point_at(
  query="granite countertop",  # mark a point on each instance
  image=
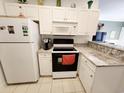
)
(45, 51)
(96, 57)
(109, 45)
(99, 58)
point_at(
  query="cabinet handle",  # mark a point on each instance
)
(65, 18)
(91, 76)
(74, 26)
(20, 7)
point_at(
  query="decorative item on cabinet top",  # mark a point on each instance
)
(90, 2)
(58, 3)
(22, 1)
(40, 2)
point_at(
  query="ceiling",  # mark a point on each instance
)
(112, 10)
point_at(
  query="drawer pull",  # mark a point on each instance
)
(91, 76)
(20, 7)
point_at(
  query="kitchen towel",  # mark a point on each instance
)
(68, 59)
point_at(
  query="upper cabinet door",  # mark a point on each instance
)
(32, 12)
(71, 15)
(93, 19)
(82, 22)
(2, 11)
(59, 14)
(14, 9)
(64, 14)
(45, 18)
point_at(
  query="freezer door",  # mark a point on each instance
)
(15, 30)
(19, 62)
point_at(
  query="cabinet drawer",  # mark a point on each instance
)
(42, 55)
(86, 61)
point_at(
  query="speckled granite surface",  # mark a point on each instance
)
(96, 55)
(108, 49)
(98, 58)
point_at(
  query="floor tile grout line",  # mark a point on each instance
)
(62, 86)
(39, 88)
(14, 89)
(27, 88)
(51, 86)
(51, 81)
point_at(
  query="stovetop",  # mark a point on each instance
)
(64, 49)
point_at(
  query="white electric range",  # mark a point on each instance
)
(64, 58)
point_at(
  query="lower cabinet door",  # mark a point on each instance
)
(45, 66)
(86, 76)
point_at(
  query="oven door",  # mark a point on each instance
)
(57, 65)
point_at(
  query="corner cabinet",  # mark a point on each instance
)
(82, 22)
(100, 79)
(45, 19)
(93, 20)
(15, 9)
(87, 22)
(45, 64)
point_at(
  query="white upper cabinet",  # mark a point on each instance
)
(59, 14)
(64, 15)
(2, 11)
(87, 22)
(57, 20)
(82, 22)
(13, 9)
(45, 19)
(93, 19)
(30, 11)
(71, 15)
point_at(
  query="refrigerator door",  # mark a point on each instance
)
(19, 62)
(15, 30)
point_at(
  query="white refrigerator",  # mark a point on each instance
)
(19, 43)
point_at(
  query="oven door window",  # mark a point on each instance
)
(57, 59)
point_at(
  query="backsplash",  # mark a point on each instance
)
(77, 39)
(114, 52)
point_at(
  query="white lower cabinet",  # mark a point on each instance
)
(45, 64)
(101, 79)
(86, 75)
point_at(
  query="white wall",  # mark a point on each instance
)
(112, 10)
(110, 26)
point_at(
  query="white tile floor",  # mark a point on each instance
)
(47, 85)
